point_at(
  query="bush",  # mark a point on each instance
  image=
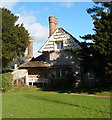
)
(64, 82)
(6, 81)
(56, 82)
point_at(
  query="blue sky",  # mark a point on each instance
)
(72, 16)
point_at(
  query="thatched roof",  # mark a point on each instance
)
(34, 64)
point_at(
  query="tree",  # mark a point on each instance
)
(101, 52)
(14, 37)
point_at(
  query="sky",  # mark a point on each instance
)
(72, 16)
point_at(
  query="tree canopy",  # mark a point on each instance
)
(102, 20)
(98, 54)
(14, 37)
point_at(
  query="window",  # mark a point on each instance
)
(61, 72)
(64, 72)
(57, 73)
(90, 75)
(59, 45)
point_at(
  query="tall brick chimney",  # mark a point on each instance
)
(52, 24)
(30, 47)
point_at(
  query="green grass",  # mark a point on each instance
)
(33, 103)
(25, 89)
(102, 91)
(30, 89)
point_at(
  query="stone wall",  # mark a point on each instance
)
(20, 77)
(65, 60)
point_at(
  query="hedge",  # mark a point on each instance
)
(6, 81)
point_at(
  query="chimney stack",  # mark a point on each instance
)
(52, 24)
(30, 47)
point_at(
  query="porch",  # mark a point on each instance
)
(33, 81)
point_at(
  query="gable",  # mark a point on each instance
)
(60, 39)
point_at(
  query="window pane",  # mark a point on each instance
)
(61, 45)
(58, 45)
(57, 73)
(90, 75)
(63, 72)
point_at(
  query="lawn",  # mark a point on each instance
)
(21, 103)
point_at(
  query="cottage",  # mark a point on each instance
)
(56, 56)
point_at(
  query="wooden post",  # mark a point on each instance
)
(32, 83)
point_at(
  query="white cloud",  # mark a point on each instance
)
(35, 29)
(23, 11)
(26, 19)
(7, 4)
(38, 31)
(67, 4)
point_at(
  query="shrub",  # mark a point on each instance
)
(6, 81)
(56, 82)
(66, 81)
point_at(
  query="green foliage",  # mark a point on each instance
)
(101, 50)
(6, 81)
(64, 82)
(86, 56)
(102, 20)
(14, 37)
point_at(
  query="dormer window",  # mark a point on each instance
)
(59, 45)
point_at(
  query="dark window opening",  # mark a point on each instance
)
(30, 83)
(59, 45)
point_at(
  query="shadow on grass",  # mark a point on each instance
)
(44, 98)
(78, 90)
